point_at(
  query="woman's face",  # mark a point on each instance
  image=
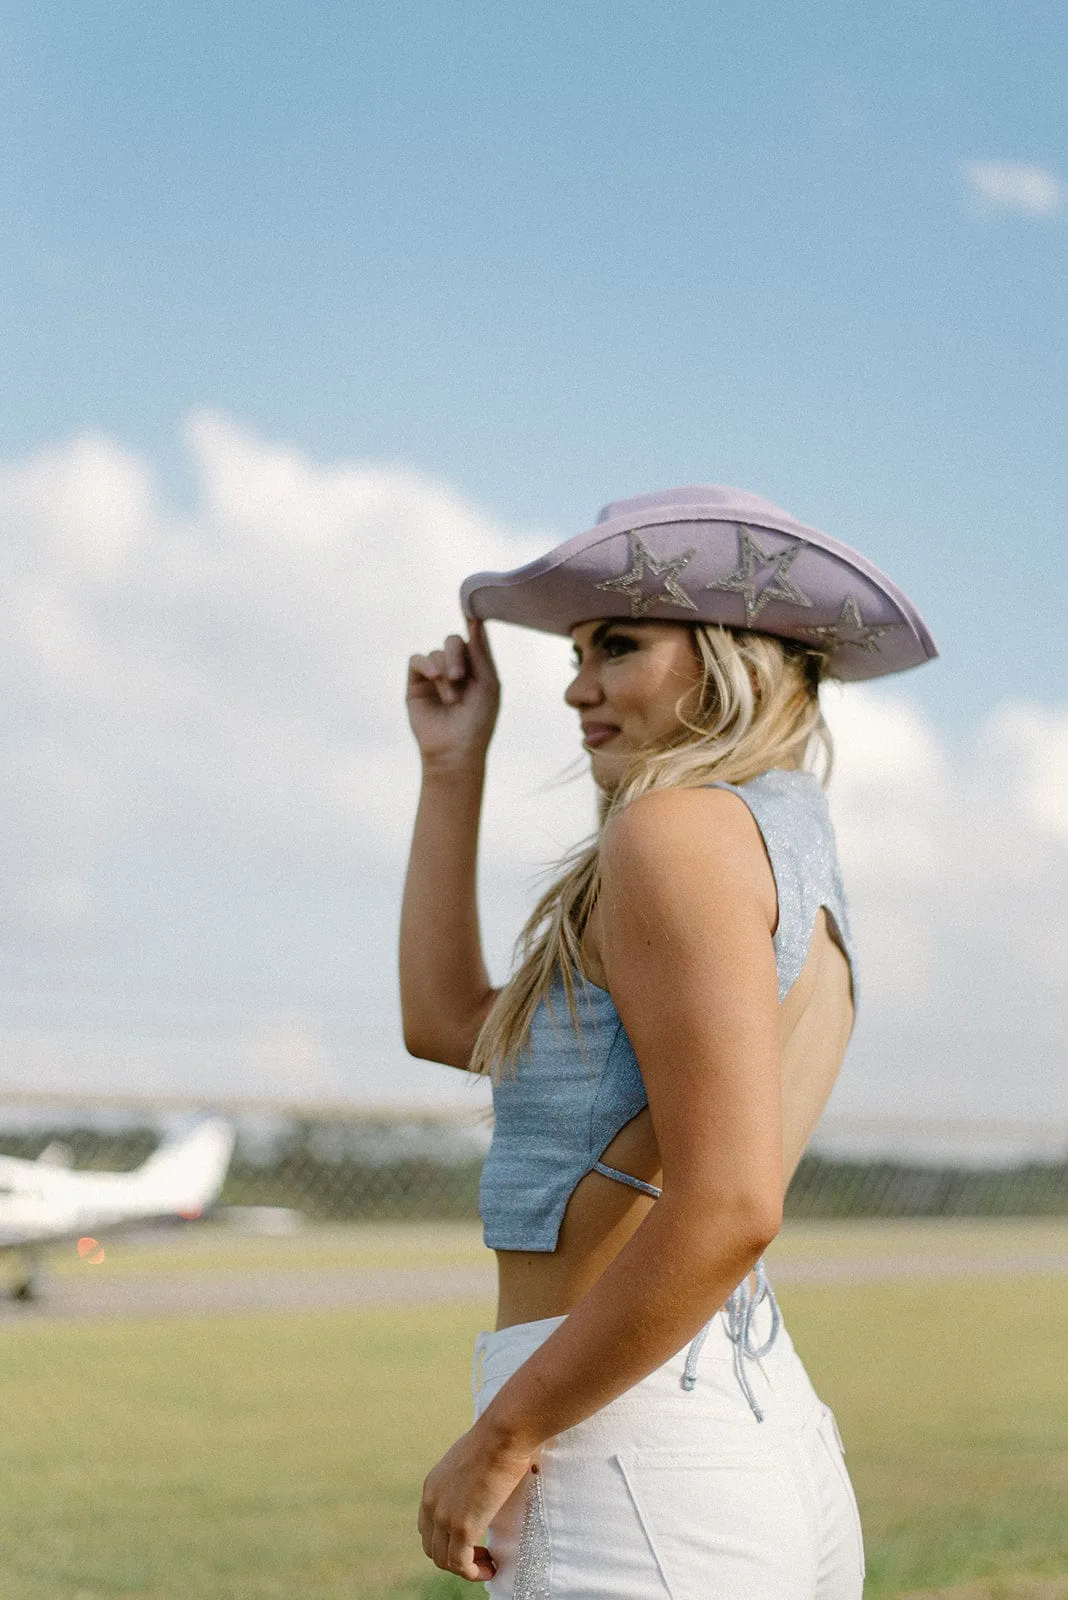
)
(629, 679)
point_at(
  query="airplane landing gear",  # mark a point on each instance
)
(25, 1287)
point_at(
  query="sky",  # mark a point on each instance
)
(303, 316)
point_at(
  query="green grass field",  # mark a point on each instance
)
(212, 1248)
(261, 1456)
(216, 1249)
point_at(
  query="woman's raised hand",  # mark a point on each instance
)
(453, 696)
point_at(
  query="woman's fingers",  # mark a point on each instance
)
(487, 1567)
(451, 667)
(457, 1552)
(453, 1549)
(426, 1522)
(439, 1548)
(420, 669)
(457, 665)
(479, 646)
(461, 1559)
(453, 1553)
(434, 670)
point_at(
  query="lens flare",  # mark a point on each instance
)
(91, 1250)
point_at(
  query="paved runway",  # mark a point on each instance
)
(66, 1298)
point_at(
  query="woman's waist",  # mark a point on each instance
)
(532, 1302)
(781, 1386)
(533, 1285)
(597, 1221)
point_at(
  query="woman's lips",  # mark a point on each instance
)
(594, 734)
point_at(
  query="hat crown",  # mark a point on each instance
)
(712, 499)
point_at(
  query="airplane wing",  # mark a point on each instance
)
(41, 1201)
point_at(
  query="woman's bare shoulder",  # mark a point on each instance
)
(672, 837)
(712, 822)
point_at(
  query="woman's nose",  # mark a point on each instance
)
(583, 690)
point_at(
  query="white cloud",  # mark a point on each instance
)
(890, 771)
(1015, 186)
(208, 786)
(1033, 741)
(52, 805)
(86, 502)
(957, 866)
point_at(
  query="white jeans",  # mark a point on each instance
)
(668, 1495)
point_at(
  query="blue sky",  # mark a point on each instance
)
(556, 254)
(536, 257)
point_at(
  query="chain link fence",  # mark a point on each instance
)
(343, 1164)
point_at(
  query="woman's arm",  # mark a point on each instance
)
(445, 990)
(687, 912)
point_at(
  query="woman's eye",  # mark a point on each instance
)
(617, 644)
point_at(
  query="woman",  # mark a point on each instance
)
(660, 1059)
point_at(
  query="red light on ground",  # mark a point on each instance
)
(91, 1250)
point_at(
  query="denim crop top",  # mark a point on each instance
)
(570, 1097)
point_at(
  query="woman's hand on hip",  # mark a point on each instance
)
(453, 696)
(461, 1497)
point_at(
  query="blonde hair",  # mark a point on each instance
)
(757, 706)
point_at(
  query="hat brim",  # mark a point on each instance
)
(736, 566)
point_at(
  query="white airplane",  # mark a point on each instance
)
(44, 1202)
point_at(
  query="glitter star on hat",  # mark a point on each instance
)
(757, 591)
(850, 629)
(630, 582)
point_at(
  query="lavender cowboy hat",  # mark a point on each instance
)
(710, 554)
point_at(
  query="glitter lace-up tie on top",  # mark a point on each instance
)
(572, 1094)
(739, 1311)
